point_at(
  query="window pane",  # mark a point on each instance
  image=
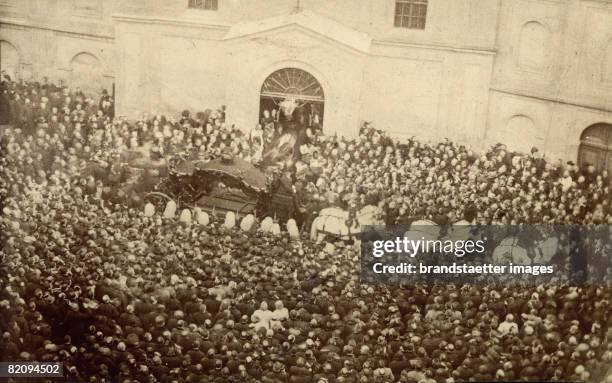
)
(204, 4)
(421, 10)
(399, 9)
(413, 22)
(410, 13)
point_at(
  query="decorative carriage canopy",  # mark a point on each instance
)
(236, 173)
(221, 185)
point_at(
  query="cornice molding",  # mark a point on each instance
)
(179, 22)
(556, 100)
(488, 51)
(23, 24)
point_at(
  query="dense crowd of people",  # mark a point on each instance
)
(118, 296)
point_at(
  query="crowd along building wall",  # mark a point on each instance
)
(69, 41)
(430, 83)
(552, 75)
(523, 72)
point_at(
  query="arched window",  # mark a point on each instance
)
(298, 85)
(9, 59)
(293, 82)
(534, 52)
(596, 147)
(86, 73)
(521, 132)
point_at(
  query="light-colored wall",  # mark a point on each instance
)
(424, 72)
(338, 67)
(50, 34)
(467, 23)
(163, 67)
(427, 93)
(552, 73)
(524, 72)
(554, 128)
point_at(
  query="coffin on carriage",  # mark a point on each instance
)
(220, 185)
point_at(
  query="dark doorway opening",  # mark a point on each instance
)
(596, 147)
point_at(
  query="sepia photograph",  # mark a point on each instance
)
(305, 191)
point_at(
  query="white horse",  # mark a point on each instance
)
(423, 229)
(335, 221)
(510, 249)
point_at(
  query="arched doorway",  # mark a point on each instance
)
(299, 85)
(9, 59)
(86, 73)
(596, 147)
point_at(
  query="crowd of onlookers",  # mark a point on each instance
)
(89, 280)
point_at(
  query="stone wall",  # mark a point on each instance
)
(523, 72)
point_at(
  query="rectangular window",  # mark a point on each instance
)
(209, 5)
(410, 14)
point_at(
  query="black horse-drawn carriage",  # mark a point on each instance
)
(225, 184)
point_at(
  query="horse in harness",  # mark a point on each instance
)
(521, 245)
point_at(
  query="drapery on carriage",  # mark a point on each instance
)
(221, 185)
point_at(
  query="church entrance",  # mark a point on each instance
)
(299, 87)
(596, 147)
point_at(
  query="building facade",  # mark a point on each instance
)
(522, 72)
